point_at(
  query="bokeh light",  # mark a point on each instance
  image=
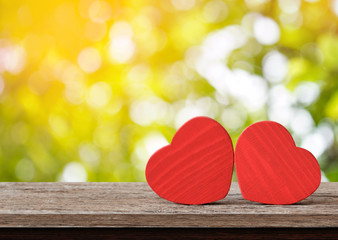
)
(89, 89)
(89, 60)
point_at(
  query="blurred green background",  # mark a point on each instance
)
(90, 89)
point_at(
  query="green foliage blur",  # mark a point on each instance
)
(90, 89)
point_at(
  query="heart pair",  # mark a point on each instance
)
(197, 167)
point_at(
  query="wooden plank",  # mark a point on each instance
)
(135, 205)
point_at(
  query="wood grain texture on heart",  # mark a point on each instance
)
(271, 169)
(196, 168)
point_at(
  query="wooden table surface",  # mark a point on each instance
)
(135, 205)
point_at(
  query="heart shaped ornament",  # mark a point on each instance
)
(196, 168)
(271, 169)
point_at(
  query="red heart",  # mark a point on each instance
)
(271, 169)
(196, 168)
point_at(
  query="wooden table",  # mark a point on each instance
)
(129, 210)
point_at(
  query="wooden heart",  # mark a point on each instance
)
(271, 169)
(196, 168)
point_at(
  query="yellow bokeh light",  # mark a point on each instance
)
(100, 11)
(89, 60)
(99, 94)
